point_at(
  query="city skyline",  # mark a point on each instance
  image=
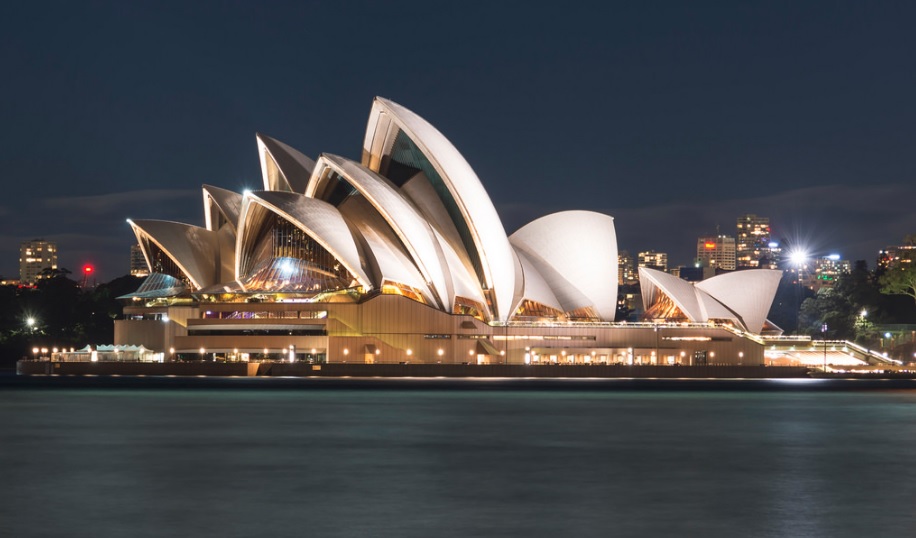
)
(800, 113)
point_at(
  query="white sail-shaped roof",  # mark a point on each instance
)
(682, 293)
(465, 194)
(227, 204)
(384, 257)
(413, 214)
(744, 297)
(282, 167)
(535, 287)
(193, 249)
(407, 223)
(320, 220)
(576, 253)
(749, 293)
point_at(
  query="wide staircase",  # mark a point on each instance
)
(802, 351)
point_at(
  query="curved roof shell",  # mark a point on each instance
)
(283, 168)
(744, 297)
(576, 254)
(748, 293)
(384, 257)
(477, 214)
(682, 293)
(221, 203)
(320, 220)
(192, 248)
(414, 214)
(407, 223)
(534, 286)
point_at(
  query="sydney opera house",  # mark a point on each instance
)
(402, 257)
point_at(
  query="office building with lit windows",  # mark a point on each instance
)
(398, 257)
(653, 260)
(36, 258)
(138, 262)
(825, 271)
(626, 269)
(895, 255)
(717, 251)
(752, 243)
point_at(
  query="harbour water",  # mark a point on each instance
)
(488, 461)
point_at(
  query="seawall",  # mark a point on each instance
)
(276, 369)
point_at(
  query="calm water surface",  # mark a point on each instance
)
(252, 462)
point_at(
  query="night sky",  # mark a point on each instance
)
(671, 117)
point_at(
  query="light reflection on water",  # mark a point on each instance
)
(235, 462)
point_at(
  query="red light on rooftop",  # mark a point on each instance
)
(87, 269)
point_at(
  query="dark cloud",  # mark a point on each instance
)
(118, 203)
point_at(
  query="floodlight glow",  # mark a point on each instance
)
(833, 257)
(773, 244)
(798, 257)
(286, 268)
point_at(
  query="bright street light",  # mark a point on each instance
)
(798, 257)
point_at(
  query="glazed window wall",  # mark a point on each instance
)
(286, 259)
(161, 263)
(666, 309)
(583, 314)
(533, 310)
(468, 307)
(305, 314)
(192, 331)
(390, 287)
(336, 189)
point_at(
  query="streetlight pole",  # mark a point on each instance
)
(824, 333)
(657, 358)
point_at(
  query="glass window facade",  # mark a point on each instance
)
(285, 258)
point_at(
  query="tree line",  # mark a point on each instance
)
(57, 312)
(858, 304)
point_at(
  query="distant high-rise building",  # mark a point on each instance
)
(825, 272)
(716, 251)
(753, 246)
(36, 256)
(626, 269)
(653, 260)
(138, 265)
(894, 255)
